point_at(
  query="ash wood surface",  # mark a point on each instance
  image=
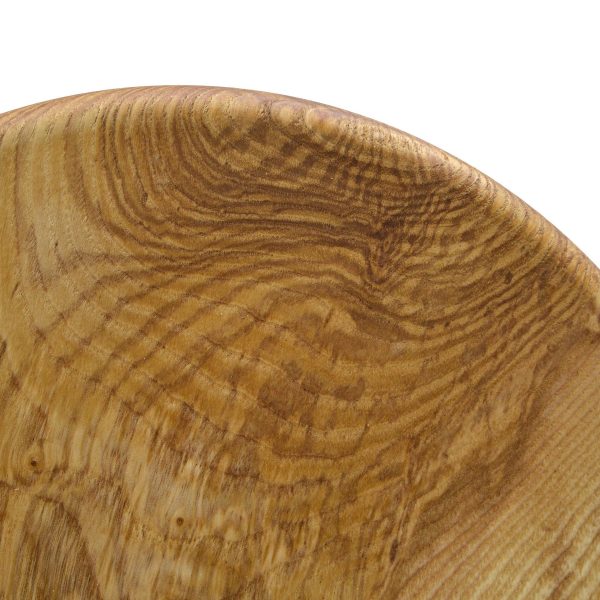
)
(256, 347)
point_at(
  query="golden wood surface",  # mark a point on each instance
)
(257, 347)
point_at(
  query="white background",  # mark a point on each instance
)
(511, 87)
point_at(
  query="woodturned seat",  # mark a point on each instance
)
(257, 347)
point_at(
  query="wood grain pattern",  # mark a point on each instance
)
(256, 347)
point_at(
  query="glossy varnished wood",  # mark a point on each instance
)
(256, 347)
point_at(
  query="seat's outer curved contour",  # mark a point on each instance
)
(258, 347)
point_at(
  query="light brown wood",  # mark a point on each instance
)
(256, 347)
